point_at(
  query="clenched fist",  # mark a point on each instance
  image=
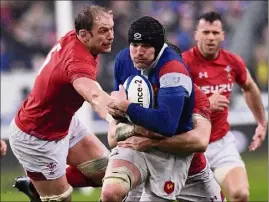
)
(218, 102)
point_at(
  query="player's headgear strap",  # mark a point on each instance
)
(147, 30)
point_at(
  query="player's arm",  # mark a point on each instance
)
(111, 138)
(81, 75)
(195, 140)
(113, 125)
(93, 93)
(175, 88)
(253, 98)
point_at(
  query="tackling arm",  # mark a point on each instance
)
(195, 140)
(93, 93)
(111, 134)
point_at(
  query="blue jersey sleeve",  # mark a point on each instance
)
(175, 88)
(165, 118)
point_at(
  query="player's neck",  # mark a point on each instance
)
(208, 56)
(86, 46)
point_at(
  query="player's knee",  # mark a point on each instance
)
(240, 194)
(95, 169)
(117, 183)
(113, 192)
(64, 197)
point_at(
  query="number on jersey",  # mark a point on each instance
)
(57, 47)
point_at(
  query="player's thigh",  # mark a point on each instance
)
(201, 187)
(169, 183)
(128, 162)
(224, 157)
(223, 153)
(88, 148)
(44, 161)
(56, 187)
(84, 146)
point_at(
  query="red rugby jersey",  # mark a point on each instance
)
(47, 111)
(212, 75)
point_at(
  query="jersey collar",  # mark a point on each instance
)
(218, 60)
(154, 63)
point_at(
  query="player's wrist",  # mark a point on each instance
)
(124, 104)
(263, 124)
(155, 143)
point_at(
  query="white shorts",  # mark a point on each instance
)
(199, 187)
(47, 158)
(164, 174)
(223, 152)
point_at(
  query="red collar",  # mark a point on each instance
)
(218, 60)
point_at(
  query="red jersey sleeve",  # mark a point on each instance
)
(79, 69)
(201, 104)
(241, 71)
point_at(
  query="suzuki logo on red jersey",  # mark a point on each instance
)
(211, 89)
(203, 74)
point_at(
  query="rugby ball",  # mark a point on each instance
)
(139, 91)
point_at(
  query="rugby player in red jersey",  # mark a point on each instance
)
(44, 135)
(215, 70)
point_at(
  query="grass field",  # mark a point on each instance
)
(257, 167)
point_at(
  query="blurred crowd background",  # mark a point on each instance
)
(28, 31)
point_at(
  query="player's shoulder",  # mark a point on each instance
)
(74, 49)
(231, 57)
(123, 54)
(123, 62)
(188, 53)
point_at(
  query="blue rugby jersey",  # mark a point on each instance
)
(173, 89)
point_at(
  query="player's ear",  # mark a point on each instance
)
(82, 33)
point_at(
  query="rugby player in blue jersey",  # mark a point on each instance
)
(150, 56)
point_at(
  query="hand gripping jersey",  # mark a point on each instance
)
(172, 86)
(213, 75)
(48, 110)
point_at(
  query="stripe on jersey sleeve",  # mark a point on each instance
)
(176, 79)
(175, 74)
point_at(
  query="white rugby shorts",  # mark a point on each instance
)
(164, 174)
(199, 187)
(223, 153)
(47, 158)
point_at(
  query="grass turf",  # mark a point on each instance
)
(257, 167)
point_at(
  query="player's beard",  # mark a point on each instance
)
(211, 51)
(141, 65)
